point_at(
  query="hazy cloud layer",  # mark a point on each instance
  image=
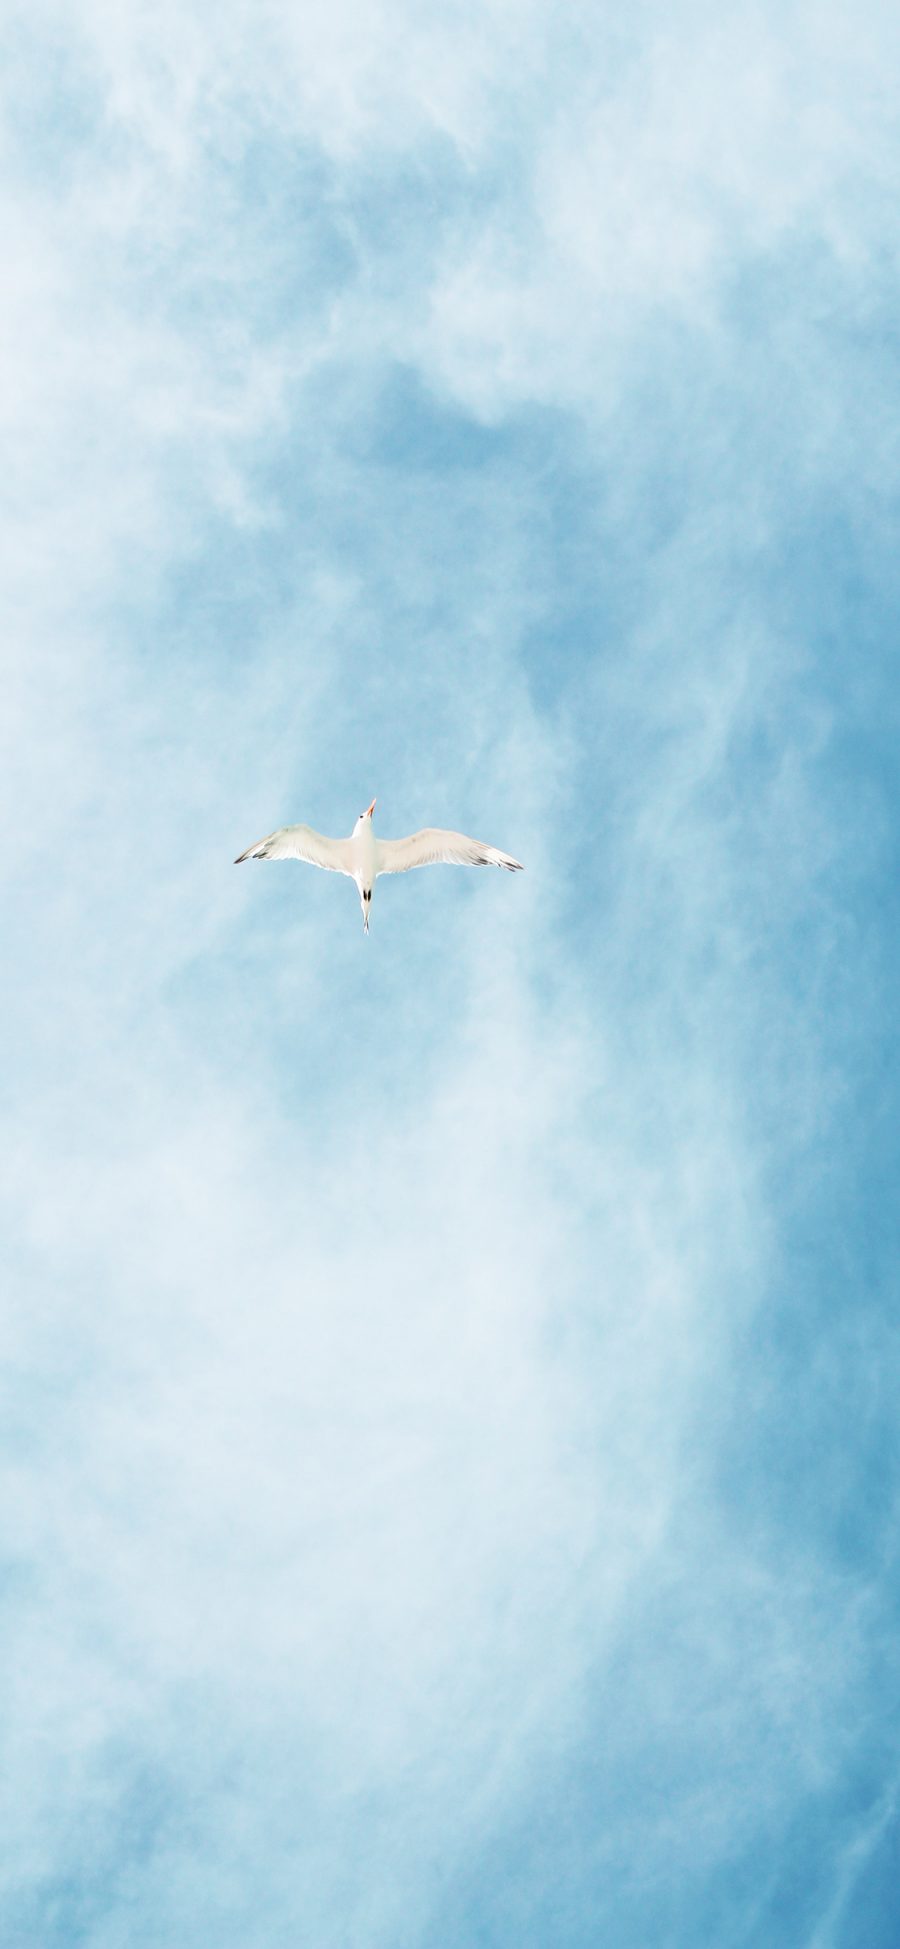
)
(450, 1461)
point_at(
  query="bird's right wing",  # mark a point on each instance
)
(433, 847)
(300, 842)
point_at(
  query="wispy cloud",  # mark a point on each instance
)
(449, 1373)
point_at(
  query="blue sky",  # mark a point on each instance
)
(449, 1437)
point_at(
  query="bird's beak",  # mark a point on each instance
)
(371, 808)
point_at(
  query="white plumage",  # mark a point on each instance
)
(362, 857)
(300, 842)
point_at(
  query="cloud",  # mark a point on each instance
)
(422, 1370)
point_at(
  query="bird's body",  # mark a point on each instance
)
(362, 857)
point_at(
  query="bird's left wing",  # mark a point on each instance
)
(433, 847)
(300, 842)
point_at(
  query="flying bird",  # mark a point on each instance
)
(362, 857)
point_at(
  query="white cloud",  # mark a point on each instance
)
(376, 1303)
(657, 180)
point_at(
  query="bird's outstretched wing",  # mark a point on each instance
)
(300, 842)
(432, 847)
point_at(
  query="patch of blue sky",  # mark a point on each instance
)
(55, 103)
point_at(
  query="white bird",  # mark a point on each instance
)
(362, 857)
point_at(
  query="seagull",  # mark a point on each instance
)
(362, 857)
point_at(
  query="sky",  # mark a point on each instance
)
(450, 1461)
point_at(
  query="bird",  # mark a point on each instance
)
(362, 857)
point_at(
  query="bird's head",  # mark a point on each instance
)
(365, 815)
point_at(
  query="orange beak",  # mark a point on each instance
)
(371, 808)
